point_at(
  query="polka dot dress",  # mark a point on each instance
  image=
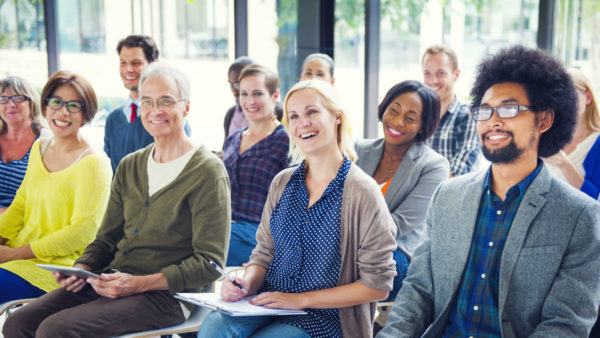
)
(307, 248)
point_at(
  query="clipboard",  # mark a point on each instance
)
(241, 308)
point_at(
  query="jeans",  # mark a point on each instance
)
(217, 325)
(242, 242)
(401, 269)
(13, 287)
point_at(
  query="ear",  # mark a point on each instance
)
(332, 80)
(588, 97)
(456, 74)
(187, 108)
(338, 119)
(275, 95)
(546, 119)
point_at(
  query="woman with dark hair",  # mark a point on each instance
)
(406, 169)
(20, 125)
(252, 157)
(579, 161)
(58, 208)
(318, 65)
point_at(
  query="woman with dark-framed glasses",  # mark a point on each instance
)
(21, 123)
(58, 207)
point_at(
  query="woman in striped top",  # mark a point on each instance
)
(20, 125)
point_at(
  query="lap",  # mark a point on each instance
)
(217, 325)
(70, 314)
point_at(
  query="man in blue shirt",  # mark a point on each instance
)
(512, 251)
(124, 132)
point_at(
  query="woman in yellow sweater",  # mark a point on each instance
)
(58, 208)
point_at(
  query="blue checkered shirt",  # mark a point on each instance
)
(456, 139)
(476, 310)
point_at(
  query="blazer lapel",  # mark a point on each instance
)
(370, 160)
(403, 175)
(466, 226)
(530, 206)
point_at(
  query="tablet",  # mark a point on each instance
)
(68, 271)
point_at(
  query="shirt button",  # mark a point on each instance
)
(499, 212)
(483, 275)
(491, 243)
(475, 307)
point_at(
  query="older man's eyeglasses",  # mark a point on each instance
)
(15, 99)
(162, 103)
(504, 111)
(73, 106)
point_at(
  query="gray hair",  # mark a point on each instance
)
(158, 69)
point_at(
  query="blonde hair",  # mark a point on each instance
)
(591, 115)
(332, 104)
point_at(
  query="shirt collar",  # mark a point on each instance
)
(454, 106)
(519, 188)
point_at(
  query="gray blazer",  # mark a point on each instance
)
(408, 195)
(549, 273)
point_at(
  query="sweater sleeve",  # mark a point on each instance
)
(210, 207)
(92, 181)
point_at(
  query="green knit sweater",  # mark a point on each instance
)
(177, 230)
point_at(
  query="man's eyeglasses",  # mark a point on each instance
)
(504, 111)
(162, 103)
(72, 106)
(15, 99)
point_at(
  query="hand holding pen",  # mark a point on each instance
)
(228, 277)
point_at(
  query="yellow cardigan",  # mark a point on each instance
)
(57, 213)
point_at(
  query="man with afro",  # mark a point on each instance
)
(513, 252)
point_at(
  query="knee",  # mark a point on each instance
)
(55, 326)
(212, 326)
(17, 325)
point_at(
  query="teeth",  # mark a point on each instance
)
(307, 135)
(62, 123)
(497, 137)
(156, 122)
(252, 110)
(394, 131)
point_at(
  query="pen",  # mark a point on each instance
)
(226, 275)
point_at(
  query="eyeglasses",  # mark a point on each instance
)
(234, 85)
(162, 103)
(15, 99)
(72, 106)
(504, 111)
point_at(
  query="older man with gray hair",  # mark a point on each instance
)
(167, 217)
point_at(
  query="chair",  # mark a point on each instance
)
(195, 318)
(6, 307)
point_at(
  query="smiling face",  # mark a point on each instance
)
(402, 119)
(163, 121)
(312, 126)
(256, 101)
(508, 140)
(14, 113)
(439, 75)
(132, 62)
(62, 122)
(317, 68)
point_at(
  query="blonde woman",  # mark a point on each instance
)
(578, 162)
(326, 237)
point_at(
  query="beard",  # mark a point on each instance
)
(506, 154)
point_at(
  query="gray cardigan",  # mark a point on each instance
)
(407, 197)
(367, 242)
(549, 282)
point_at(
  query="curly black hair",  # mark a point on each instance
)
(430, 117)
(548, 86)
